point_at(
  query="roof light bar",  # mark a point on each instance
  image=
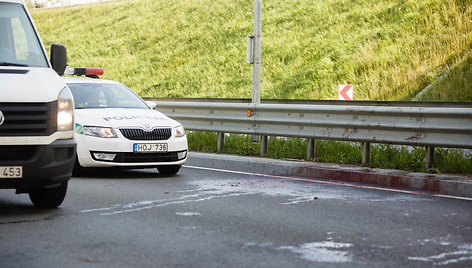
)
(89, 72)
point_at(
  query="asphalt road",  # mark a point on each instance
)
(211, 218)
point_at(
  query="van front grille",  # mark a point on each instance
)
(28, 119)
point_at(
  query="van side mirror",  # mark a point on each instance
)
(59, 58)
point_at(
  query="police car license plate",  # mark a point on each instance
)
(150, 147)
(11, 172)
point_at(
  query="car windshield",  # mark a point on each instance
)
(103, 95)
(19, 44)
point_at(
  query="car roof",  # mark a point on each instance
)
(78, 80)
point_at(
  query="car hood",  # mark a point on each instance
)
(123, 118)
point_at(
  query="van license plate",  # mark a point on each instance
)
(150, 147)
(11, 172)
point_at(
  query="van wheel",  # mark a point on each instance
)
(78, 170)
(169, 170)
(49, 197)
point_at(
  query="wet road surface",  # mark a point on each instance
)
(212, 218)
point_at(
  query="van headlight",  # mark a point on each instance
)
(179, 131)
(65, 110)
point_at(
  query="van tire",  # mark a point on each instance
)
(49, 197)
(78, 170)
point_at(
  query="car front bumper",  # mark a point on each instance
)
(118, 152)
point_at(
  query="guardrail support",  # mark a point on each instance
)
(264, 144)
(220, 141)
(366, 158)
(311, 149)
(429, 158)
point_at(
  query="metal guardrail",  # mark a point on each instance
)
(427, 125)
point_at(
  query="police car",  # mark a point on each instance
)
(116, 128)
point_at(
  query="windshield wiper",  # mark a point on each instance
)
(13, 64)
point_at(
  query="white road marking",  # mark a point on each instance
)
(212, 189)
(446, 258)
(324, 251)
(334, 183)
(149, 204)
(188, 214)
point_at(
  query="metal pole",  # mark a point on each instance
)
(366, 157)
(256, 68)
(429, 159)
(256, 64)
(264, 144)
(221, 141)
(311, 149)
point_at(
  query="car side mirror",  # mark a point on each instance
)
(59, 58)
(151, 104)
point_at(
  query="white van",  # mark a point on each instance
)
(37, 146)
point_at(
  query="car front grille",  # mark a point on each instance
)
(140, 134)
(28, 119)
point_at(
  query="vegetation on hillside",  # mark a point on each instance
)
(454, 85)
(388, 49)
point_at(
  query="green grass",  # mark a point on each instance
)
(388, 49)
(383, 155)
(455, 85)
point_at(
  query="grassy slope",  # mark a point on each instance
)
(389, 50)
(454, 85)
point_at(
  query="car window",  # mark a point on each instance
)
(93, 95)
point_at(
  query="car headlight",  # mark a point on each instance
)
(179, 131)
(65, 110)
(101, 132)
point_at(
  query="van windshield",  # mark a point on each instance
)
(19, 44)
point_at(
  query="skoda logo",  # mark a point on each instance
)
(147, 128)
(2, 118)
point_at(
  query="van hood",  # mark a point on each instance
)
(29, 84)
(123, 118)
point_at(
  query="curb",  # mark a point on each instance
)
(439, 183)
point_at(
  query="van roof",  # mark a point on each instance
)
(14, 1)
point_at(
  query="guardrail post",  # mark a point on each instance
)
(220, 141)
(429, 158)
(264, 144)
(366, 158)
(311, 149)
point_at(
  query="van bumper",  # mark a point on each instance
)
(43, 165)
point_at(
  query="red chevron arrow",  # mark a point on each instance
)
(344, 91)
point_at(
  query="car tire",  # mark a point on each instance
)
(49, 197)
(169, 170)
